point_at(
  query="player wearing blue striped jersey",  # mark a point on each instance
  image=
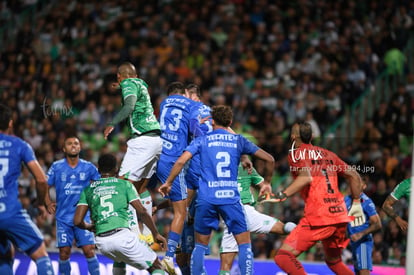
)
(361, 235)
(192, 177)
(218, 193)
(15, 224)
(179, 122)
(70, 176)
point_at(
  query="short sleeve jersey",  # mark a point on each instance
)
(69, 183)
(108, 200)
(324, 203)
(220, 153)
(13, 152)
(176, 112)
(142, 119)
(403, 189)
(245, 181)
(369, 210)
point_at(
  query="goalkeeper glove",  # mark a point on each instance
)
(358, 213)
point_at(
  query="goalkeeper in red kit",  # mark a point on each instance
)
(315, 171)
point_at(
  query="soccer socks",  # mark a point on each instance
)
(44, 266)
(119, 268)
(173, 239)
(93, 265)
(224, 272)
(158, 272)
(64, 267)
(288, 263)
(146, 201)
(197, 259)
(339, 268)
(6, 267)
(246, 258)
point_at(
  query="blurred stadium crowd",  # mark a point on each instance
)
(274, 62)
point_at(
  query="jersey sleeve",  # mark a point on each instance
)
(248, 147)
(82, 199)
(94, 173)
(27, 153)
(340, 165)
(131, 192)
(128, 89)
(194, 146)
(51, 175)
(401, 190)
(255, 177)
(370, 207)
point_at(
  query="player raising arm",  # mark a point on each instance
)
(218, 193)
(402, 190)
(315, 171)
(15, 224)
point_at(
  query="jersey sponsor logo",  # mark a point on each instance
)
(221, 194)
(5, 143)
(304, 154)
(167, 144)
(336, 209)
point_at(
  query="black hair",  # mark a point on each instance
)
(305, 132)
(176, 88)
(5, 117)
(107, 163)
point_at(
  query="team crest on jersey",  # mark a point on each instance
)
(82, 176)
(63, 177)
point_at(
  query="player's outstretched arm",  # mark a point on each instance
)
(41, 186)
(79, 218)
(388, 207)
(270, 163)
(148, 221)
(179, 164)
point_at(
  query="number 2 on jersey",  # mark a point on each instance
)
(222, 166)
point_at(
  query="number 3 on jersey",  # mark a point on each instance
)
(175, 114)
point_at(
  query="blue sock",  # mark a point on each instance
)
(6, 267)
(93, 265)
(173, 239)
(64, 267)
(44, 266)
(197, 259)
(246, 259)
(185, 270)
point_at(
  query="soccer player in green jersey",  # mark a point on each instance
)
(145, 144)
(108, 199)
(256, 221)
(403, 189)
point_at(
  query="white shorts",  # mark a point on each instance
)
(125, 246)
(141, 157)
(256, 223)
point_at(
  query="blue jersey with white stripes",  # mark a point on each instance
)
(220, 153)
(69, 183)
(13, 152)
(178, 114)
